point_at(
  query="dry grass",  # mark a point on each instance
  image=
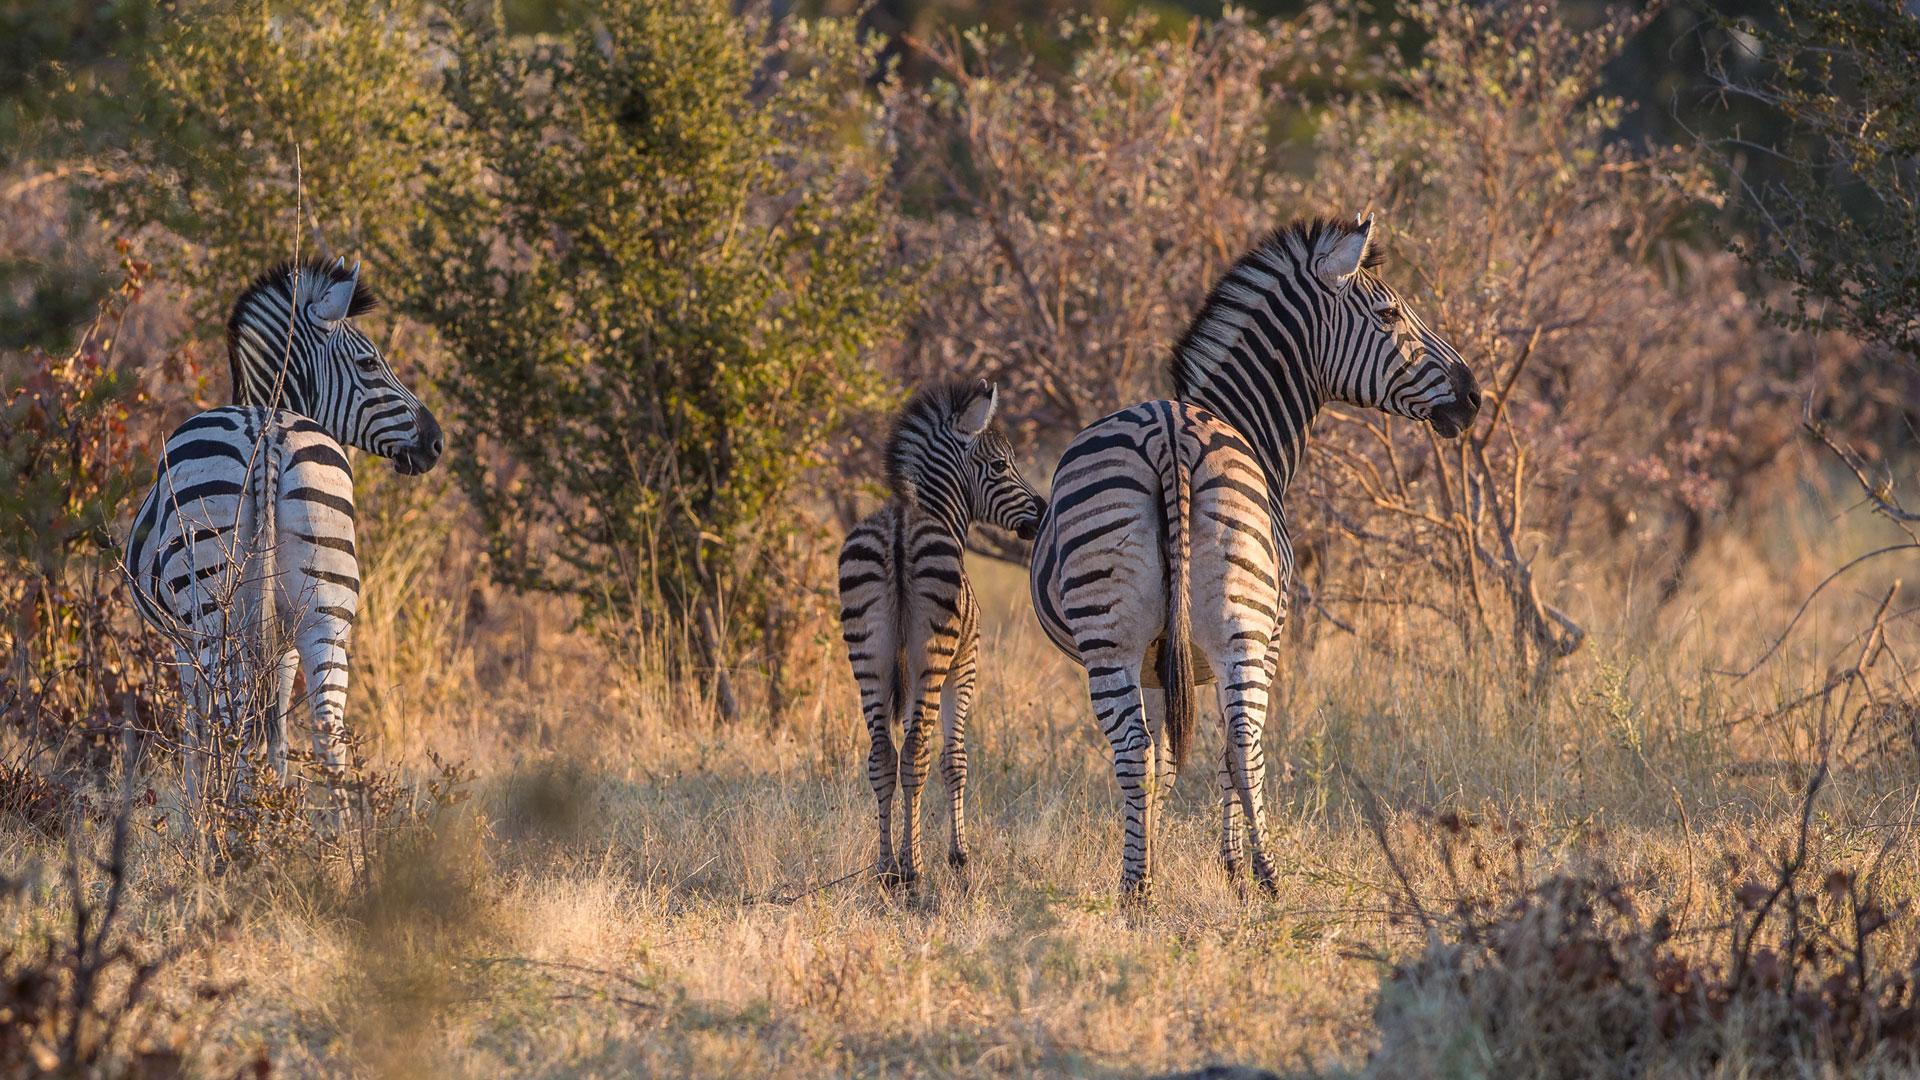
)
(617, 897)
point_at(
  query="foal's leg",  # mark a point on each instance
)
(956, 705)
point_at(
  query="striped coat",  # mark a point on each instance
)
(908, 614)
(243, 551)
(1199, 597)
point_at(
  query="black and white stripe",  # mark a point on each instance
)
(907, 611)
(243, 551)
(1199, 593)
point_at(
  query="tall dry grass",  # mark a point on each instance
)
(637, 889)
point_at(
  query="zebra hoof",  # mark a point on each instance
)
(890, 875)
(1136, 894)
(1268, 887)
(957, 859)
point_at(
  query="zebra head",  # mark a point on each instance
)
(1372, 350)
(946, 454)
(292, 345)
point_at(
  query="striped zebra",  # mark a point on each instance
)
(907, 612)
(243, 552)
(1163, 561)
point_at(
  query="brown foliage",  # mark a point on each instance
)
(1566, 976)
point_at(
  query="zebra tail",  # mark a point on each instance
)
(1176, 653)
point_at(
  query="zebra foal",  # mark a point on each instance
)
(243, 551)
(907, 612)
(1199, 593)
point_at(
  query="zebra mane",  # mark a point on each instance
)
(314, 275)
(1224, 316)
(931, 408)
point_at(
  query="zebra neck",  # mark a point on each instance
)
(260, 383)
(947, 507)
(1272, 407)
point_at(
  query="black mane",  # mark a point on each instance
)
(1303, 234)
(280, 279)
(931, 407)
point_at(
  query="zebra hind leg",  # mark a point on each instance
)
(323, 659)
(1115, 694)
(883, 775)
(1246, 764)
(916, 762)
(956, 704)
(1230, 855)
(288, 665)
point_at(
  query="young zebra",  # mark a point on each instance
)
(243, 551)
(1300, 320)
(907, 612)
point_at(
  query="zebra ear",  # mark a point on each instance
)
(331, 305)
(1342, 253)
(978, 411)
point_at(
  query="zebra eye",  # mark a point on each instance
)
(368, 362)
(1390, 315)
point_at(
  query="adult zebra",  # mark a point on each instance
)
(1164, 557)
(243, 552)
(907, 613)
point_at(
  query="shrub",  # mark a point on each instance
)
(72, 450)
(1839, 219)
(654, 248)
(270, 132)
(82, 1000)
(1072, 222)
(1568, 977)
(688, 225)
(1633, 392)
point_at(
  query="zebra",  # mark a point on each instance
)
(908, 615)
(1163, 561)
(243, 551)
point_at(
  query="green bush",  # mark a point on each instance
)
(1839, 220)
(273, 130)
(659, 273)
(655, 249)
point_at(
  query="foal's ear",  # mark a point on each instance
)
(977, 413)
(1341, 253)
(333, 302)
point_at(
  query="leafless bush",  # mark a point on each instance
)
(82, 1001)
(1568, 977)
(1071, 227)
(1634, 391)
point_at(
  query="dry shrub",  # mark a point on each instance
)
(1072, 225)
(73, 432)
(1069, 225)
(84, 1000)
(1634, 391)
(1809, 973)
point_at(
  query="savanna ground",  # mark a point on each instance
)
(633, 888)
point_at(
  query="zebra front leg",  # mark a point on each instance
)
(883, 774)
(956, 705)
(1115, 695)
